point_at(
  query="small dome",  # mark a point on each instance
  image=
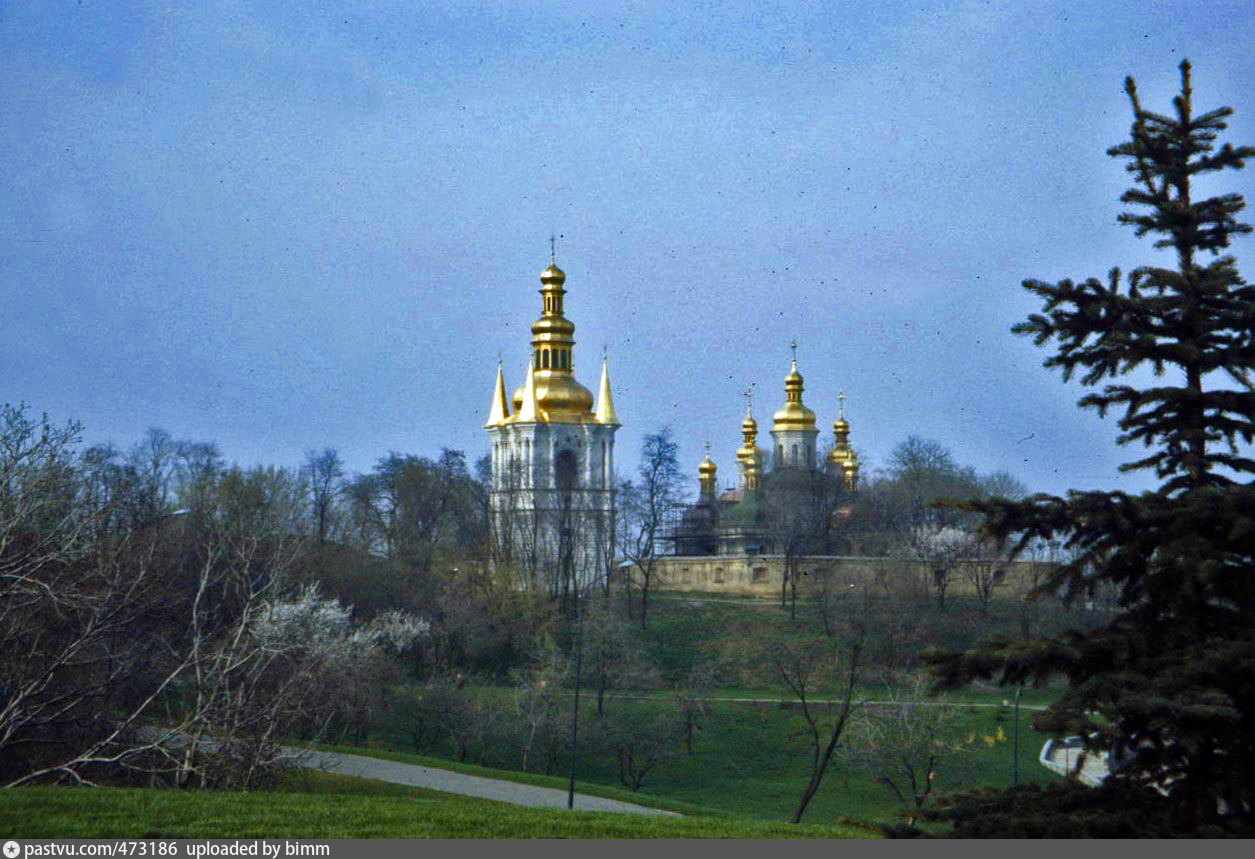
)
(840, 425)
(707, 468)
(794, 415)
(553, 276)
(749, 424)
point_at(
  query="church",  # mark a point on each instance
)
(552, 504)
(552, 501)
(748, 520)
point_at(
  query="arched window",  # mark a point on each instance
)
(564, 354)
(566, 471)
(545, 359)
(793, 454)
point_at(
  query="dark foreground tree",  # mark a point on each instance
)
(1167, 686)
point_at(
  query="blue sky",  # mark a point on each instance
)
(282, 226)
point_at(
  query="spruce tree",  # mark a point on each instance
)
(1167, 685)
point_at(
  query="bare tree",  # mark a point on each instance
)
(538, 703)
(75, 586)
(905, 740)
(691, 701)
(641, 743)
(324, 474)
(800, 507)
(652, 500)
(984, 567)
(613, 657)
(821, 672)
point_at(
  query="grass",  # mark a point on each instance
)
(751, 759)
(320, 805)
(743, 780)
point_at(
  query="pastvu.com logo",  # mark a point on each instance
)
(11, 849)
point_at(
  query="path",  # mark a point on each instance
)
(716, 699)
(468, 785)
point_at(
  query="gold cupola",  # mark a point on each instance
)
(843, 460)
(748, 455)
(707, 474)
(793, 415)
(559, 398)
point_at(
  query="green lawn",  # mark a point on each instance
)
(751, 760)
(319, 805)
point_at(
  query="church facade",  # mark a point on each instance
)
(552, 499)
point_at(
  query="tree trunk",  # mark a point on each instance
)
(645, 577)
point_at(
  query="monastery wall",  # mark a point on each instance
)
(762, 575)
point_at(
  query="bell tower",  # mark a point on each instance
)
(552, 502)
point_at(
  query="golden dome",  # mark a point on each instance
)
(707, 468)
(843, 455)
(559, 398)
(793, 415)
(749, 425)
(553, 276)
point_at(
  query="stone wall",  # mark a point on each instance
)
(762, 575)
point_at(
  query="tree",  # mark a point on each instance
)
(324, 473)
(76, 582)
(941, 549)
(640, 742)
(904, 742)
(1166, 685)
(649, 504)
(691, 701)
(799, 512)
(538, 704)
(614, 658)
(983, 569)
(822, 673)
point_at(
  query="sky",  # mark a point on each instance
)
(285, 226)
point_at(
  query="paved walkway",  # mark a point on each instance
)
(468, 785)
(715, 699)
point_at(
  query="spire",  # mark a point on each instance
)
(605, 402)
(527, 412)
(499, 411)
